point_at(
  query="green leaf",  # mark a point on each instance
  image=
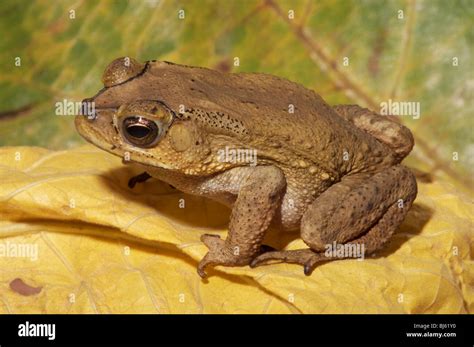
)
(403, 59)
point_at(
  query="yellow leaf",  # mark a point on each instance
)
(76, 239)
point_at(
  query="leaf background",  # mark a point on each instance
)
(118, 250)
(407, 59)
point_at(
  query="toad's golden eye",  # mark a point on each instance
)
(140, 131)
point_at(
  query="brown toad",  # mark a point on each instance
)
(333, 173)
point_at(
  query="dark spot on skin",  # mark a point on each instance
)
(20, 287)
(154, 109)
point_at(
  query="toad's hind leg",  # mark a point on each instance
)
(396, 136)
(361, 209)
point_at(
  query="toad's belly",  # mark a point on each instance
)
(224, 188)
(287, 217)
(292, 208)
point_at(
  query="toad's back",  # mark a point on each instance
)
(261, 110)
(273, 111)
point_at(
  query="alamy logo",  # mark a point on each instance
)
(74, 108)
(400, 108)
(237, 155)
(19, 250)
(345, 250)
(37, 330)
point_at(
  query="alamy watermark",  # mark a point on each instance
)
(237, 155)
(19, 250)
(400, 108)
(345, 250)
(67, 107)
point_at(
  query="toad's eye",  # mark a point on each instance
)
(140, 131)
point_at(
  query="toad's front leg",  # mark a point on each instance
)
(258, 198)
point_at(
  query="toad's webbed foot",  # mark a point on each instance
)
(220, 254)
(305, 257)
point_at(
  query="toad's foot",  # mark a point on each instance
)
(132, 182)
(220, 254)
(306, 257)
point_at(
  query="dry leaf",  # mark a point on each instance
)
(70, 226)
